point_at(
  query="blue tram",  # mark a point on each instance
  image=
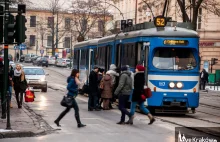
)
(170, 56)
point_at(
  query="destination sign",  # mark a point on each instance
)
(160, 21)
(175, 42)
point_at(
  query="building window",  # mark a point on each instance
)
(32, 21)
(67, 23)
(32, 40)
(50, 22)
(66, 42)
(199, 19)
(49, 40)
(100, 26)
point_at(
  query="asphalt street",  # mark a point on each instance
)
(101, 125)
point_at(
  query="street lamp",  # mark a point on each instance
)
(116, 8)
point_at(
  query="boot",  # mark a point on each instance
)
(79, 124)
(57, 123)
(151, 119)
(130, 121)
(11, 105)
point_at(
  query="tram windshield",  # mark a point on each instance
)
(174, 59)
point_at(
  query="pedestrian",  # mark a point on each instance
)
(100, 76)
(123, 91)
(93, 90)
(1, 76)
(72, 87)
(204, 77)
(10, 82)
(139, 82)
(17, 56)
(106, 86)
(114, 74)
(20, 84)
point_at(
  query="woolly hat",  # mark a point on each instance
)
(140, 68)
(1, 59)
(95, 67)
(124, 68)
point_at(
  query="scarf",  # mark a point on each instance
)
(17, 73)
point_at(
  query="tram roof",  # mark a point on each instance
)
(153, 32)
(86, 43)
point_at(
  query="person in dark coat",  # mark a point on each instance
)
(20, 85)
(10, 82)
(139, 82)
(17, 57)
(72, 87)
(93, 90)
(204, 77)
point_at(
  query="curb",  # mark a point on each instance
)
(16, 134)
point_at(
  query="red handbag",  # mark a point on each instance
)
(29, 95)
(147, 92)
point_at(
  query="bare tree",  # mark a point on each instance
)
(85, 14)
(188, 7)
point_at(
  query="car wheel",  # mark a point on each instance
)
(44, 89)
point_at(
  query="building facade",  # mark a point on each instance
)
(42, 25)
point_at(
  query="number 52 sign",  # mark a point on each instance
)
(160, 21)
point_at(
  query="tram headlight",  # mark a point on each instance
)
(171, 84)
(179, 85)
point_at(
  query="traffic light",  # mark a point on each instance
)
(123, 24)
(130, 22)
(20, 29)
(213, 61)
(1, 23)
(10, 30)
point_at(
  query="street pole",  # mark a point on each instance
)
(71, 50)
(57, 32)
(5, 78)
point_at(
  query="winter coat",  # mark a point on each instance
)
(139, 82)
(204, 76)
(72, 87)
(10, 75)
(125, 84)
(19, 84)
(113, 73)
(93, 82)
(106, 86)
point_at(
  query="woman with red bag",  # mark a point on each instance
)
(138, 96)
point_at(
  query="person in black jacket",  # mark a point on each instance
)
(10, 82)
(204, 77)
(93, 90)
(139, 82)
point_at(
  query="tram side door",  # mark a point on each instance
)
(108, 54)
(90, 62)
(118, 56)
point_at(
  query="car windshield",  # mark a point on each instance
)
(174, 59)
(34, 71)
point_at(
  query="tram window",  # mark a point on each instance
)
(101, 57)
(83, 58)
(174, 58)
(75, 59)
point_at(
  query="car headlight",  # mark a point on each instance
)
(179, 85)
(43, 79)
(171, 85)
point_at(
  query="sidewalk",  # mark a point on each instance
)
(24, 123)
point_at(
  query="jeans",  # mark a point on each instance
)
(93, 101)
(10, 91)
(19, 97)
(123, 99)
(76, 108)
(133, 107)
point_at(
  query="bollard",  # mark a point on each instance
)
(8, 125)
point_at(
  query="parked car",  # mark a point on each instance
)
(41, 61)
(22, 58)
(9, 57)
(52, 61)
(28, 57)
(36, 77)
(63, 62)
(34, 58)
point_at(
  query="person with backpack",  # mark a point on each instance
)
(204, 78)
(72, 87)
(123, 91)
(20, 85)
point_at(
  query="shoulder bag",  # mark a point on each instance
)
(67, 102)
